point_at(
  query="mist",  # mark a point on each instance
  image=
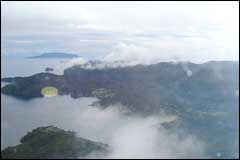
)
(128, 135)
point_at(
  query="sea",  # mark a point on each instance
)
(19, 117)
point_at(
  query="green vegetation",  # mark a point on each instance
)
(103, 93)
(52, 142)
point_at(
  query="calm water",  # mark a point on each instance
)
(18, 117)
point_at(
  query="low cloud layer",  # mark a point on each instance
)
(140, 139)
(130, 136)
(194, 49)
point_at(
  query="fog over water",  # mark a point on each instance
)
(129, 136)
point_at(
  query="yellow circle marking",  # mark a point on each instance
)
(49, 91)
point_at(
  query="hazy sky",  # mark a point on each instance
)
(142, 31)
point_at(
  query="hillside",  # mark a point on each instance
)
(155, 86)
(52, 142)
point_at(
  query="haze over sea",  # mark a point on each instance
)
(16, 119)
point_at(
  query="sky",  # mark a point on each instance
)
(129, 31)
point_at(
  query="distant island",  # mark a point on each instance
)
(54, 55)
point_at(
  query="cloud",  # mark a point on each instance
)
(183, 29)
(194, 49)
(139, 139)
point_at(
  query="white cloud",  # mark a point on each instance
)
(139, 139)
(170, 48)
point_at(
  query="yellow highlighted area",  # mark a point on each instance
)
(49, 91)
